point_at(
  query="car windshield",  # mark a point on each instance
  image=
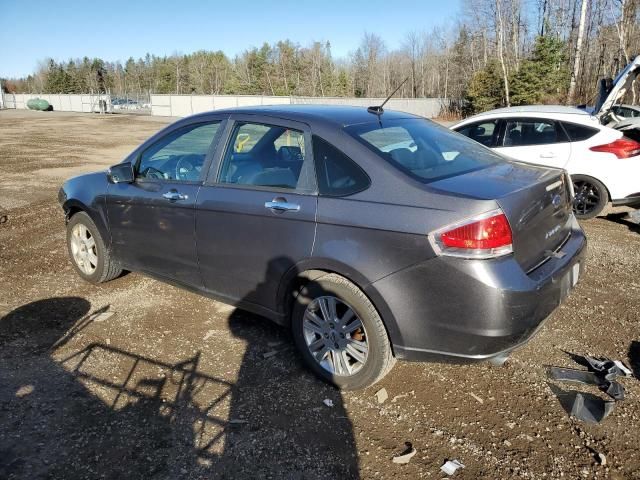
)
(422, 149)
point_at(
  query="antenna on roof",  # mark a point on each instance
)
(378, 110)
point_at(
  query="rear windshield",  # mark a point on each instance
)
(423, 149)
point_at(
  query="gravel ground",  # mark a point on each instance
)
(138, 379)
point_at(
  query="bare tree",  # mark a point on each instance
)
(578, 55)
(501, 54)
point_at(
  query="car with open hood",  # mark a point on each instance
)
(600, 150)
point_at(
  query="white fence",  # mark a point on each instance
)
(184, 105)
(62, 103)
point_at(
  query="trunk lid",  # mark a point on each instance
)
(621, 84)
(536, 200)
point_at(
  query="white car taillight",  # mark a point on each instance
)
(485, 236)
(622, 148)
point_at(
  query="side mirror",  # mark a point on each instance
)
(121, 173)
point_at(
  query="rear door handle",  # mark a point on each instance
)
(548, 155)
(281, 205)
(173, 195)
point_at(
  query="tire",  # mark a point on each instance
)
(308, 335)
(96, 265)
(591, 197)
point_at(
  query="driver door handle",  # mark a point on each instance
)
(173, 195)
(280, 204)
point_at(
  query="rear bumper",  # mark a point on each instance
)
(476, 309)
(630, 201)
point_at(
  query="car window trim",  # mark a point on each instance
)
(215, 171)
(207, 159)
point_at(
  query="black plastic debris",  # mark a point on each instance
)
(601, 373)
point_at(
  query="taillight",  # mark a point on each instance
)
(622, 148)
(485, 236)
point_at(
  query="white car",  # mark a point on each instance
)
(604, 163)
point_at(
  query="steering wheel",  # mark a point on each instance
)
(186, 167)
(151, 172)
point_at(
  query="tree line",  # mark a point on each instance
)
(496, 53)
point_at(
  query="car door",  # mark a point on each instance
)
(255, 215)
(152, 219)
(535, 140)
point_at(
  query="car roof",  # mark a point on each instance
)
(552, 112)
(336, 115)
(555, 109)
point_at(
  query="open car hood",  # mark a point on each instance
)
(621, 85)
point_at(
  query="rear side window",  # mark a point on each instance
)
(523, 132)
(482, 132)
(270, 156)
(577, 132)
(338, 175)
(422, 149)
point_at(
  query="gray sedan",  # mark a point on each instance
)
(374, 235)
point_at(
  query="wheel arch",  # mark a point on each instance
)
(308, 270)
(73, 206)
(573, 175)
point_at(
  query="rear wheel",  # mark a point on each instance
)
(591, 196)
(340, 334)
(87, 251)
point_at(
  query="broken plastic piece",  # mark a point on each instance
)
(407, 455)
(602, 373)
(614, 390)
(574, 375)
(328, 402)
(451, 466)
(623, 368)
(591, 409)
(583, 406)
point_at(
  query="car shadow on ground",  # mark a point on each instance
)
(624, 219)
(101, 411)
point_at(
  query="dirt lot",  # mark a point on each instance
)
(137, 379)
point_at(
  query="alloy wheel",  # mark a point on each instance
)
(587, 197)
(335, 336)
(83, 249)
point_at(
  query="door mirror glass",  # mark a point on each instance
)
(121, 173)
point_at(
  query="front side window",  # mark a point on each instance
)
(483, 132)
(180, 155)
(266, 156)
(423, 149)
(523, 132)
(338, 175)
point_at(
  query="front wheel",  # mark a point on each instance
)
(340, 334)
(87, 250)
(590, 198)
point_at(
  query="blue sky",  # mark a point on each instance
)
(34, 30)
